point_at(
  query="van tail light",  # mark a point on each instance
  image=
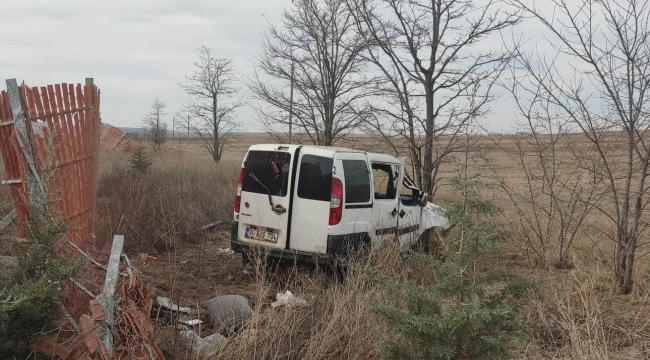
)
(240, 181)
(336, 202)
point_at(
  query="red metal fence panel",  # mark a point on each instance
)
(60, 152)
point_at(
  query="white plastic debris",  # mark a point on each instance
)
(192, 322)
(287, 299)
(206, 347)
(225, 251)
(168, 304)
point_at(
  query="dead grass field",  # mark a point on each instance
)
(574, 314)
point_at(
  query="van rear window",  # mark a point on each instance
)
(271, 168)
(315, 179)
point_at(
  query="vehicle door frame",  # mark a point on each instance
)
(409, 217)
(384, 211)
(357, 217)
(310, 214)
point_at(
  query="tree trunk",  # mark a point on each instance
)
(216, 156)
(625, 264)
(427, 168)
(329, 122)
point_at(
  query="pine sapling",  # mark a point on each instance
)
(140, 161)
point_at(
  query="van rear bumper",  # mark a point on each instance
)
(337, 246)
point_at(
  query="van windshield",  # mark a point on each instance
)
(271, 168)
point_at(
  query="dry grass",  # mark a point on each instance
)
(575, 314)
(336, 324)
(176, 196)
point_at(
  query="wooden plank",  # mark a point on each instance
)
(75, 173)
(52, 124)
(92, 120)
(62, 147)
(70, 103)
(68, 179)
(8, 219)
(85, 149)
(37, 102)
(31, 107)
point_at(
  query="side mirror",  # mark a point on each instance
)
(424, 199)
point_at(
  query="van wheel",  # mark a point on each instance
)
(430, 243)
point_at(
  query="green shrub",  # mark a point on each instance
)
(140, 161)
(469, 310)
(31, 299)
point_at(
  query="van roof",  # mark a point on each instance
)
(329, 150)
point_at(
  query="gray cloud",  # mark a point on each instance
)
(137, 50)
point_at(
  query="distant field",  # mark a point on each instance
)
(575, 314)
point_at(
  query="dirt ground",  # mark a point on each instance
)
(192, 274)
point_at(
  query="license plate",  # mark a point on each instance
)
(260, 235)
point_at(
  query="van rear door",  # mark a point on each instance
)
(264, 208)
(311, 203)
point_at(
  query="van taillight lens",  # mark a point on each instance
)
(242, 173)
(336, 202)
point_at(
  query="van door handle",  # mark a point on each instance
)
(279, 209)
(394, 212)
(402, 213)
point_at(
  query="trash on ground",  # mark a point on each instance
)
(168, 304)
(205, 347)
(225, 251)
(191, 322)
(287, 299)
(228, 312)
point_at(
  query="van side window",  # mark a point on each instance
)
(357, 181)
(384, 177)
(315, 179)
(407, 196)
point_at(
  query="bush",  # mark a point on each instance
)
(31, 299)
(470, 310)
(140, 161)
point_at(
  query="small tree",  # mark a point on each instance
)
(154, 123)
(32, 297)
(212, 113)
(140, 161)
(560, 188)
(471, 310)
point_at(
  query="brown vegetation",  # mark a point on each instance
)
(575, 313)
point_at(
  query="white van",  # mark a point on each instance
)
(312, 203)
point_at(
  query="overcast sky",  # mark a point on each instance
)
(137, 50)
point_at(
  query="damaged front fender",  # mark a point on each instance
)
(435, 216)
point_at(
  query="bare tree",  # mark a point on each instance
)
(554, 202)
(212, 114)
(154, 123)
(316, 48)
(607, 99)
(437, 80)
